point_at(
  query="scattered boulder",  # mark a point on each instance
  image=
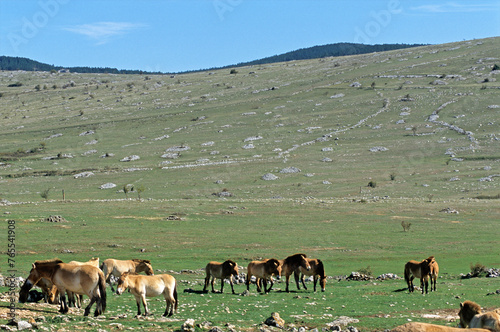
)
(55, 219)
(131, 158)
(188, 325)
(83, 175)
(288, 170)
(275, 320)
(108, 185)
(449, 210)
(378, 148)
(269, 177)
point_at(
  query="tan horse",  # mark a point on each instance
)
(292, 263)
(220, 271)
(414, 269)
(317, 271)
(142, 286)
(118, 267)
(84, 279)
(94, 261)
(263, 271)
(472, 316)
(433, 273)
(424, 327)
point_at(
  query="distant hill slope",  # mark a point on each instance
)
(338, 49)
(329, 50)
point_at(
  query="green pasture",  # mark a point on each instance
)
(342, 203)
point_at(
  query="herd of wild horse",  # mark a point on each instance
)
(75, 279)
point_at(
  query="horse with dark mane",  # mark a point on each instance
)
(84, 279)
(220, 271)
(118, 267)
(317, 271)
(263, 271)
(414, 269)
(292, 263)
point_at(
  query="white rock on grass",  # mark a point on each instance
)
(288, 170)
(269, 177)
(108, 185)
(83, 175)
(378, 148)
(131, 158)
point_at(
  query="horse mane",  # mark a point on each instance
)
(469, 309)
(272, 261)
(228, 262)
(294, 259)
(141, 260)
(48, 261)
(320, 269)
(430, 259)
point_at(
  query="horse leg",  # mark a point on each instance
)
(138, 302)
(207, 280)
(287, 277)
(169, 309)
(231, 283)
(87, 308)
(304, 284)
(221, 285)
(315, 278)
(145, 304)
(296, 276)
(64, 306)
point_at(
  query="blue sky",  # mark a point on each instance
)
(179, 35)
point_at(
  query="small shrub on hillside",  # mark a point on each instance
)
(478, 270)
(372, 184)
(495, 67)
(13, 85)
(392, 176)
(233, 71)
(45, 194)
(406, 225)
(367, 271)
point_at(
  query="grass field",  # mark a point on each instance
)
(205, 140)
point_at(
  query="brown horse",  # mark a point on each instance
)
(472, 316)
(424, 327)
(414, 269)
(118, 267)
(292, 263)
(220, 271)
(72, 302)
(317, 271)
(142, 286)
(434, 273)
(263, 271)
(49, 291)
(84, 279)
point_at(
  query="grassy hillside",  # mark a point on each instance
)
(419, 125)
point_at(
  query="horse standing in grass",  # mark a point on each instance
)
(76, 301)
(84, 279)
(292, 263)
(472, 316)
(434, 273)
(263, 271)
(142, 286)
(220, 271)
(118, 267)
(414, 269)
(317, 271)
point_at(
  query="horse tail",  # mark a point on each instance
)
(175, 296)
(102, 291)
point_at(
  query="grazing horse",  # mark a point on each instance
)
(84, 279)
(49, 291)
(117, 268)
(142, 286)
(221, 271)
(317, 271)
(434, 273)
(94, 261)
(414, 269)
(263, 270)
(424, 327)
(472, 316)
(292, 263)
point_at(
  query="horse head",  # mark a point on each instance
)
(468, 309)
(145, 265)
(29, 283)
(274, 267)
(122, 283)
(229, 267)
